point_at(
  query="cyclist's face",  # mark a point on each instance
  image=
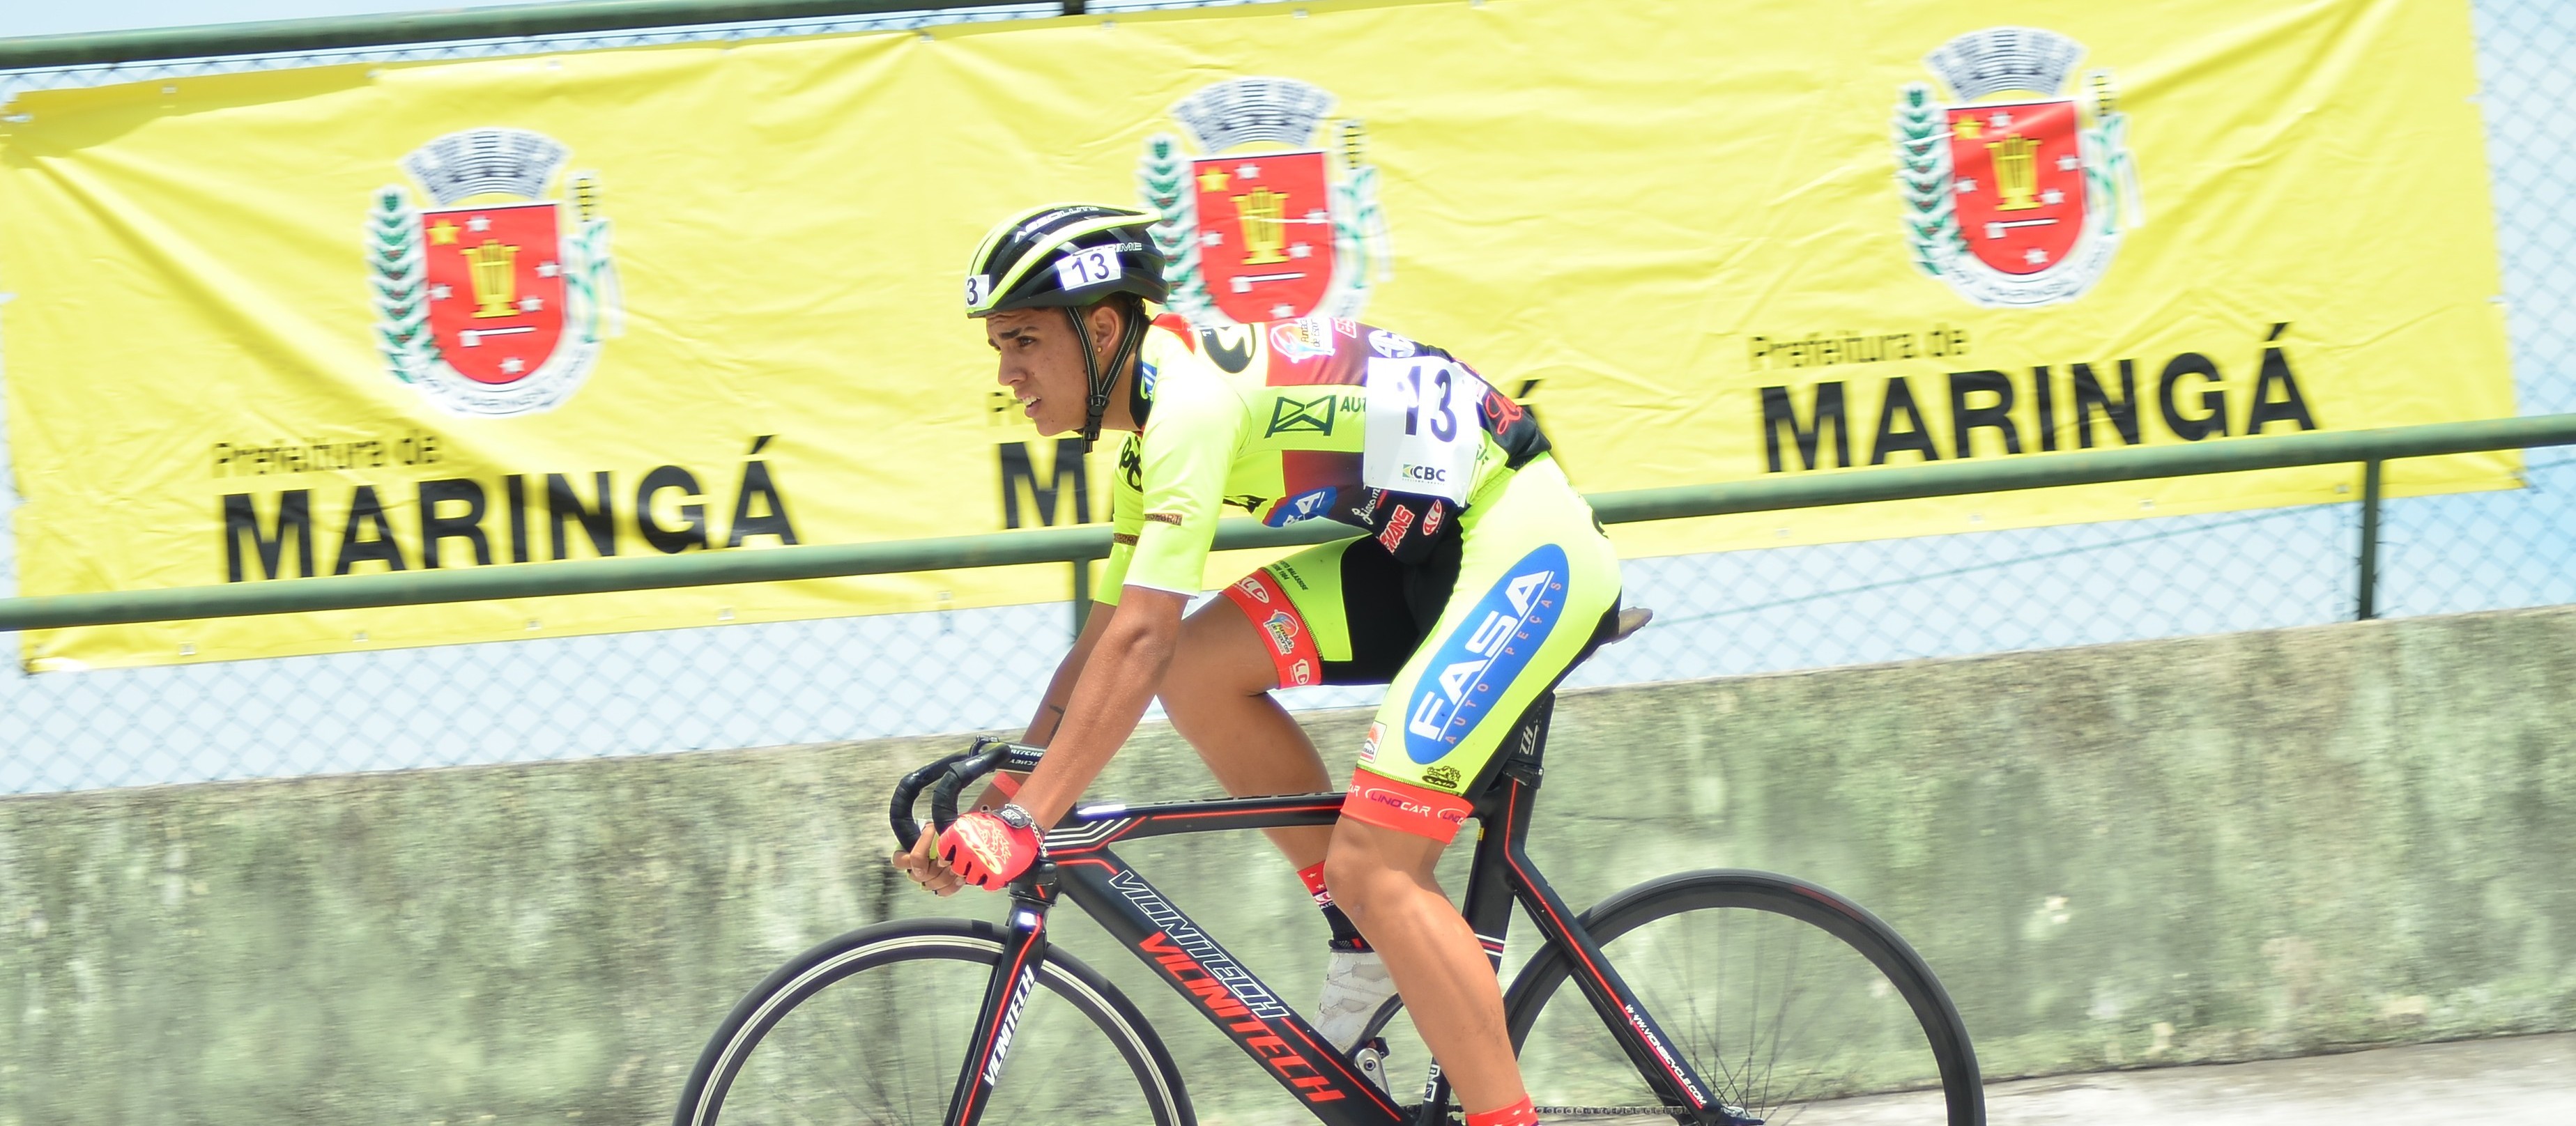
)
(1041, 363)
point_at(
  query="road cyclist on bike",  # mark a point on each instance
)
(1474, 578)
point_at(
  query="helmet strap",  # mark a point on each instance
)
(1102, 378)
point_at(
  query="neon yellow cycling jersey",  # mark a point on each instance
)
(1305, 419)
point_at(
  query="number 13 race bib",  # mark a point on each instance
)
(1424, 426)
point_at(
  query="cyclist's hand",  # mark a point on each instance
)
(988, 851)
(921, 862)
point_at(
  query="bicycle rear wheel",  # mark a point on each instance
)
(1796, 1005)
(871, 1028)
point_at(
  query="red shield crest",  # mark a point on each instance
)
(1265, 233)
(496, 288)
(2019, 177)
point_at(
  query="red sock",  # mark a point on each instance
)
(1313, 874)
(1518, 1114)
(1345, 936)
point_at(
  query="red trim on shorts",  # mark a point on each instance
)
(1284, 633)
(1404, 807)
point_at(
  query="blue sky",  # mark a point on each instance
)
(110, 15)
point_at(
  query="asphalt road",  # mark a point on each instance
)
(2517, 1081)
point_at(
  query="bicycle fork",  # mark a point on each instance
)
(1006, 993)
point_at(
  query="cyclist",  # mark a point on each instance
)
(1477, 577)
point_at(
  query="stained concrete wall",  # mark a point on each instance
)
(2200, 849)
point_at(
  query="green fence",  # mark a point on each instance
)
(740, 684)
(1079, 546)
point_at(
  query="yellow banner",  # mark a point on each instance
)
(706, 297)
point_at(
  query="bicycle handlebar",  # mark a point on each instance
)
(947, 776)
(907, 831)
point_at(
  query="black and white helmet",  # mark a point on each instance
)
(1065, 255)
(1069, 256)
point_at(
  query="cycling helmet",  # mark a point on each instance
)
(1068, 256)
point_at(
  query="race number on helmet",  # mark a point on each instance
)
(1065, 255)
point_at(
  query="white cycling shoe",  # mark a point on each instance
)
(1356, 985)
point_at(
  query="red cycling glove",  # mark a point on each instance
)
(989, 850)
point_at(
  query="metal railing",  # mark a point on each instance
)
(1080, 546)
(506, 21)
(1770, 608)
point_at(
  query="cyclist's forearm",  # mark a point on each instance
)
(1050, 715)
(1118, 680)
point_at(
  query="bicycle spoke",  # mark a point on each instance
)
(1779, 1016)
(881, 1042)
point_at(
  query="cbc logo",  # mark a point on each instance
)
(1425, 473)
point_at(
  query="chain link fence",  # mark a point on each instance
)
(1720, 614)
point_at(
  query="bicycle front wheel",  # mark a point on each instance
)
(1796, 1005)
(871, 1028)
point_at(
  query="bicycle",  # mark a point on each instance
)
(839, 1033)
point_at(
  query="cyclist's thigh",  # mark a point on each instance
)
(1333, 613)
(1535, 577)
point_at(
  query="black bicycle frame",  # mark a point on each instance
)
(1080, 866)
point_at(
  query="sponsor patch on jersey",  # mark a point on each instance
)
(1304, 506)
(1282, 628)
(1368, 745)
(1291, 415)
(1390, 345)
(1397, 523)
(1302, 339)
(1468, 674)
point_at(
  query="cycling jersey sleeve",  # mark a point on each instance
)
(1189, 443)
(1126, 518)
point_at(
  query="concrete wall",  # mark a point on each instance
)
(2201, 849)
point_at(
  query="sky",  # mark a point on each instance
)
(28, 17)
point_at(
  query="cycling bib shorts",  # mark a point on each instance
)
(1467, 638)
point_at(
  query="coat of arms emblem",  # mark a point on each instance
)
(494, 298)
(1256, 224)
(2017, 189)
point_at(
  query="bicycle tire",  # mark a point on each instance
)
(894, 1052)
(1854, 1067)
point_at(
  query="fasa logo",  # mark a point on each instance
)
(1265, 235)
(494, 300)
(1466, 676)
(2011, 198)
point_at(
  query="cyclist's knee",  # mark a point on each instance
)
(1368, 864)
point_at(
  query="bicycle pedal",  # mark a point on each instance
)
(1370, 1060)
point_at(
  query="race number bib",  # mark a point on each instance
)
(1087, 267)
(1424, 426)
